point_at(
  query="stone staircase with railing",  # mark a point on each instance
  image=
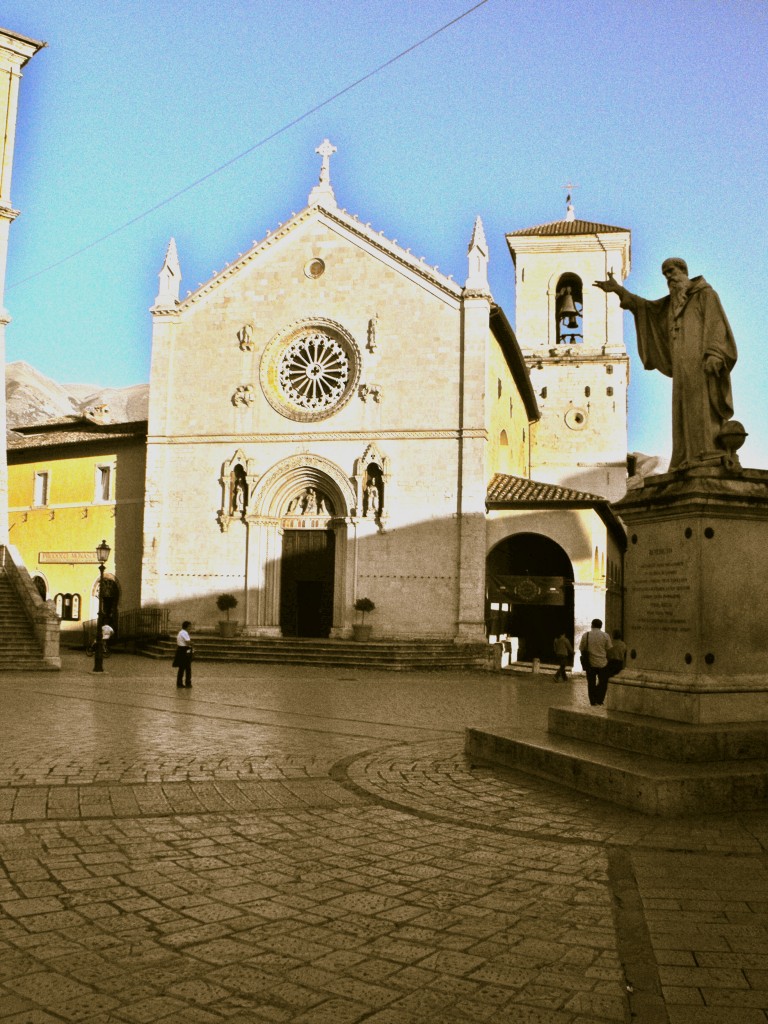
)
(392, 655)
(20, 647)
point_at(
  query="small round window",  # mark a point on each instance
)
(576, 419)
(314, 268)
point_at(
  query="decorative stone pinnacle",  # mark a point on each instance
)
(477, 257)
(170, 277)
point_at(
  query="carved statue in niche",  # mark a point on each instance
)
(239, 492)
(372, 495)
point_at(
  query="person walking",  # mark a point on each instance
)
(563, 655)
(183, 658)
(617, 655)
(595, 645)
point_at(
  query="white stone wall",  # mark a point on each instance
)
(198, 363)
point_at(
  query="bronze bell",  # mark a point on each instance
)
(568, 311)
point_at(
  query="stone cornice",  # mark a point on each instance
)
(164, 311)
(19, 47)
(573, 354)
(317, 436)
(8, 212)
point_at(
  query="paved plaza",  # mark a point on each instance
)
(311, 845)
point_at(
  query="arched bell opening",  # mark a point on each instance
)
(569, 310)
(529, 594)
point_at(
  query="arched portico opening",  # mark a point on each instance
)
(529, 593)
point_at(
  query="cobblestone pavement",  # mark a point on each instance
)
(284, 845)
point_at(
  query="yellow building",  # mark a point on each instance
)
(71, 484)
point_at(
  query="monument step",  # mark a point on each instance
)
(662, 738)
(652, 785)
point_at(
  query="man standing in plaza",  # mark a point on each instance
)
(686, 336)
(595, 644)
(563, 655)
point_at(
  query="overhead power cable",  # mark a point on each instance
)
(257, 145)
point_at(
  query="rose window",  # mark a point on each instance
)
(313, 371)
(310, 370)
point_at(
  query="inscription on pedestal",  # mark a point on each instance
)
(662, 592)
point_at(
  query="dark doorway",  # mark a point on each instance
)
(535, 624)
(110, 600)
(306, 583)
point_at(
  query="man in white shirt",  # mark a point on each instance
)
(183, 658)
(596, 644)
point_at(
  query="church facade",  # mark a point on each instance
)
(333, 419)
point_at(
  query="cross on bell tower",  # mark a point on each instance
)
(323, 191)
(570, 213)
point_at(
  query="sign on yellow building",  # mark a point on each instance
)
(73, 483)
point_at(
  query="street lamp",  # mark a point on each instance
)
(102, 553)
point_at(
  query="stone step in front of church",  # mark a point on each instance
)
(383, 654)
(659, 786)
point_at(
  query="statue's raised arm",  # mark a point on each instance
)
(686, 336)
(610, 284)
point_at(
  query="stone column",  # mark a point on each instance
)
(472, 470)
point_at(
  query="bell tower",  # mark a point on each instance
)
(15, 51)
(573, 343)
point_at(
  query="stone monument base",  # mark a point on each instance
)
(662, 768)
(703, 701)
(696, 604)
(685, 729)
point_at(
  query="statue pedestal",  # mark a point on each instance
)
(696, 598)
(685, 727)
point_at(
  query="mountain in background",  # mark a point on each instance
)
(34, 398)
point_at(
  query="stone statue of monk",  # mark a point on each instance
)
(687, 337)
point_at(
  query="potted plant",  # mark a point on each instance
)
(359, 629)
(225, 602)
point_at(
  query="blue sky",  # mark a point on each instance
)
(656, 110)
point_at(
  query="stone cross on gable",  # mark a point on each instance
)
(326, 149)
(323, 191)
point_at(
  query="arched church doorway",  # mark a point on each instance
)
(529, 593)
(306, 582)
(298, 520)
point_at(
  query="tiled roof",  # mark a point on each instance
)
(504, 487)
(567, 227)
(73, 432)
